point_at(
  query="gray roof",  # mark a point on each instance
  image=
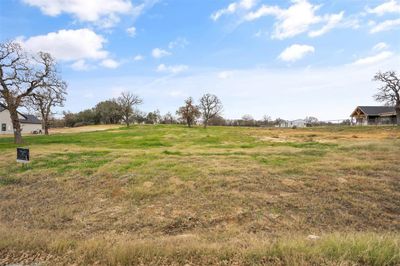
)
(376, 110)
(28, 119)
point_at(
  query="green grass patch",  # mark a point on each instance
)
(5, 181)
(86, 162)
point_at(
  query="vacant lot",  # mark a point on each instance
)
(173, 195)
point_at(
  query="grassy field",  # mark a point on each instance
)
(171, 195)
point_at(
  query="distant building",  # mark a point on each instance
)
(294, 123)
(29, 123)
(374, 115)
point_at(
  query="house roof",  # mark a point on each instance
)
(375, 110)
(28, 119)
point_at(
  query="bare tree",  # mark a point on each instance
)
(311, 121)
(45, 98)
(389, 93)
(20, 76)
(210, 107)
(126, 102)
(266, 120)
(247, 121)
(189, 112)
(168, 118)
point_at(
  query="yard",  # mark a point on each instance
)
(173, 195)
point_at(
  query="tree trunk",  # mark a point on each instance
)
(45, 123)
(16, 124)
(46, 118)
(46, 128)
(398, 114)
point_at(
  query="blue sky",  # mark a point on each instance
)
(287, 59)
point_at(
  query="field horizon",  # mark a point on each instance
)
(172, 195)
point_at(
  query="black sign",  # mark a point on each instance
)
(22, 155)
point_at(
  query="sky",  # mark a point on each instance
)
(286, 58)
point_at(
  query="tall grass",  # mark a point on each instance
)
(330, 249)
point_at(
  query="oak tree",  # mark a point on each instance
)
(210, 106)
(189, 112)
(50, 95)
(20, 76)
(126, 103)
(389, 93)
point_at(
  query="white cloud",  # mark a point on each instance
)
(296, 52)
(158, 53)
(373, 59)
(175, 69)
(385, 26)
(380, 46)
(131, 31)
(176, 93)
(68, 45)
(391, 6)
(233, 8)
(103, 11)
(139, 9)
(178, 43)
(296, 19)
(138, 57)
(225, 74)
(109, 63)
(80, 65)
(332, 22)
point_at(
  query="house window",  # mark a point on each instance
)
(3, 127)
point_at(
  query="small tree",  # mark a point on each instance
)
(266, 120)
(389, 93)
(126, 103)
(69, 119)
(189, 112)
(153, 117)
(210, 107)
(138, 116)
(247, 121)
(47, 97)
(168, 118)
(217, 121)
(108, 112)
(278, 122)
(20, 76)
(311, 121)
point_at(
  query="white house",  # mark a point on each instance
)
(29, 123)
(294, 123)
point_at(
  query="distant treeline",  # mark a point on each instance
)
(108, 112)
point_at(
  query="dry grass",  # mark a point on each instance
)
(67, 130)
(171, 195)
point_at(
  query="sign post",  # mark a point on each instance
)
(23, 156)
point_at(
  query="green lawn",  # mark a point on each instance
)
(221, 195)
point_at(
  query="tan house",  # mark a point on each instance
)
(374, 115)
(29, 123)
